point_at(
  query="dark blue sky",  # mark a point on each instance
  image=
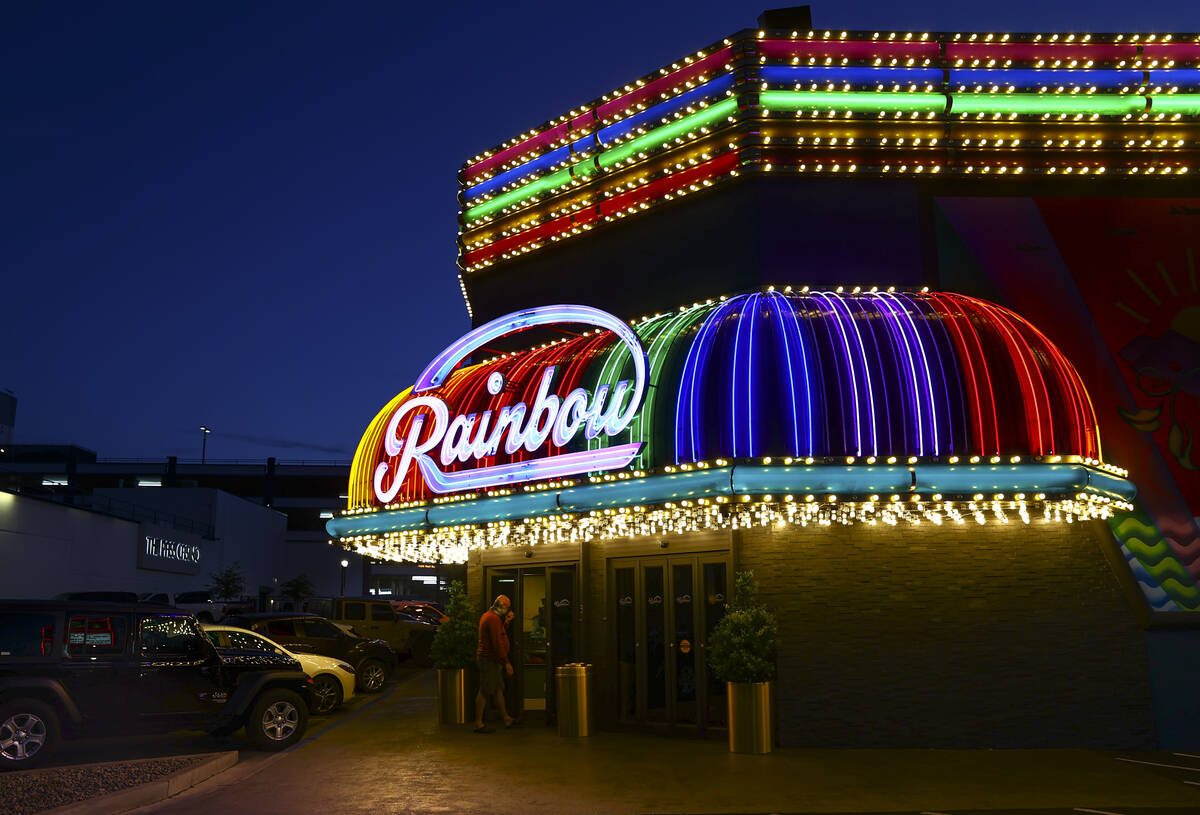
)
(243, 214)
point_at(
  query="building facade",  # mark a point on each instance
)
(870, 314)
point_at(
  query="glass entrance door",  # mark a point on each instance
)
(663, 610)
(542, 634)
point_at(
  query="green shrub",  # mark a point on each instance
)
(456, 639)
(742, 648)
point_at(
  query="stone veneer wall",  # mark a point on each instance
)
(933, 637)
(953, 636)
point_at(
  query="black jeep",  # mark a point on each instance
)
(80, 668)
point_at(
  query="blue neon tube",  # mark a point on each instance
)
(840, 74)
(652, 117)
(605, 136)
(1188, 78)
(1025, 78)
(534, 167)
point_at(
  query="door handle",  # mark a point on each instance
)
(672, 644)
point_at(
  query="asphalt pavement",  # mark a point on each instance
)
(390, 756)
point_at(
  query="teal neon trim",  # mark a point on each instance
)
(649, 141)
(1056, 480)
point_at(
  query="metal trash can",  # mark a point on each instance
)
(573, 683)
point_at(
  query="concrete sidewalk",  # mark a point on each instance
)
(393, 757)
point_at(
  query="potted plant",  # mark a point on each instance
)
(742, 653)
(453, 653)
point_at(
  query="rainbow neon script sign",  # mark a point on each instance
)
(467, 437)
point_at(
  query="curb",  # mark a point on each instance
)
(152, 791)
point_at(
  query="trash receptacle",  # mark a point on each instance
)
(573, 683)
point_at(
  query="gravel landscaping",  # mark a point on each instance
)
(22, 793)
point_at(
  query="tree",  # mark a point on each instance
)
(456, 639)
(298, 588)
(228, 583)
(742, 647)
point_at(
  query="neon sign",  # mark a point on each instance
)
(524, 426)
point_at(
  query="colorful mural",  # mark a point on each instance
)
(1114, 283)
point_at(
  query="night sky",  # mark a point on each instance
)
(243, 214)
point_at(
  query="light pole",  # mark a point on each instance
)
(345, 563)
(204, 431)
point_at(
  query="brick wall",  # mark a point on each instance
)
(934, 637)
(992, 636)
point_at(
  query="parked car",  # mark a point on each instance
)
(155, 598)
(371, 617)
(200, 603)
(71, 668)
(99, 596)
(373, 659)
(333, 679)
(422, 612)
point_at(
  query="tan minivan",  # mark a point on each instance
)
(376, 619)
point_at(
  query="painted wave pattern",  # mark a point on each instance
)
(1164, 580)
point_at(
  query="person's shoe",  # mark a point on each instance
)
(483, 729)
(512, 724)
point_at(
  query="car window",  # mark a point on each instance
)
(354, 611)
(93, 635)
(173, 635)
(192, 597)
(320, 628)
(281, 628)
(26, 635)
(245, 641)
(382, 613)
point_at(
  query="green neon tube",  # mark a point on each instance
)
(1035, 103)
(643, 423)
(651, 140)
(615, 359)
(859, 102)
(535, 187)
(608, 158)
(1186, 103)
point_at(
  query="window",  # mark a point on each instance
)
(192, 597)
(382, 613)
(355, 611)
(26, 635)
(91, 635)
(245, 641)
(170, 636)
(320, 628)
(281, 628)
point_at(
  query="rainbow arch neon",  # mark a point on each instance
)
(819, 373)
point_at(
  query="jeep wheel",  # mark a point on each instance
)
(371, 676)
(28, 733)
(326, 694)
(277, 720)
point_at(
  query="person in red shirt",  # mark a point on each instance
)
(492, 658)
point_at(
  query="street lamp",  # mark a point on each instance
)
(204, 431)
(345, 563)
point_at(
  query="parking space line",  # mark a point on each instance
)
(1186, 755)
(1156, 764)
(1098, 811)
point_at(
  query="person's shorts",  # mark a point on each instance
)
(491, 676)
